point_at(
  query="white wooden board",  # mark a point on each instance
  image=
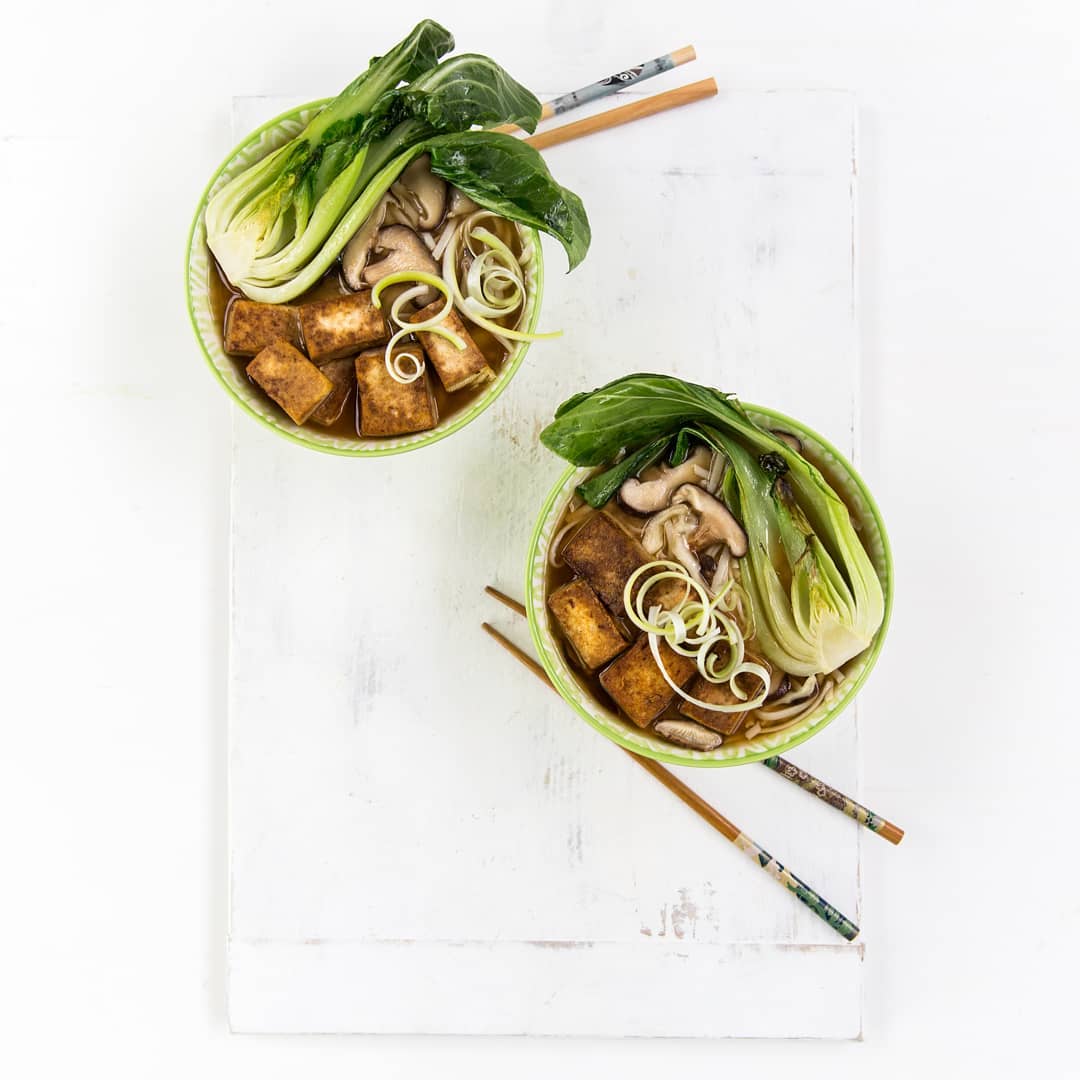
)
(424, 838)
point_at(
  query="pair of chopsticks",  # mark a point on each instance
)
(624, 114)
(816, 903)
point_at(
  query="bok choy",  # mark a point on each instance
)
(277, 227)
(814, 593)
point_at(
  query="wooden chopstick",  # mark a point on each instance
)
(513, 605)
(611, 85)
(762, 859)
(624, 114)
(782, 767)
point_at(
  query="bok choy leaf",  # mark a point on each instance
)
(505, 175)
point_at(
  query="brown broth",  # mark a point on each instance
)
(222, 294)
(560, 575)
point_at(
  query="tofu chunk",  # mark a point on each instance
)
(291, 379)
(715, 694)
(602, 553)
(388, 407)
(636, 685)
(587, 624)
(342, 373)
(341, 325)
(250, 327)
(720, 694)
(605, 557)
(456, 368)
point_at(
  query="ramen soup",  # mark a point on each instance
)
(378, 269)
(383, 345)
(649, 607)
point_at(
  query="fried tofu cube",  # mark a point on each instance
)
(342, 373)
(588, 625)
(605, 557)
(290, 379)
(715, 694)
(456, 368)
(388, 407)
(636, 684)
(341, 325)
(250, 327)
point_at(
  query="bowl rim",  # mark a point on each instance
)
(362, 449)
(696, 758)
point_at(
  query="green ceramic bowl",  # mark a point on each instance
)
(847, 482)
(200, 267)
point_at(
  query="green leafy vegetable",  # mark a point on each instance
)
(504, 174)
(815, 595)
(260, 212)
(465, 90)
(598, 489)
(277, 227)
(591, 428)
(410, 58)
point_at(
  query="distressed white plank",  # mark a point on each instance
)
(395, 778)
(547, 988)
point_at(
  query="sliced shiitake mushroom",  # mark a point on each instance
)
(687, 733)
(715, 521)
(358, 250)
(423, 193)
(404, 250)
(460, 203)
(648, 496)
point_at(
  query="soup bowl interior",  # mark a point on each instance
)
(841, 474)
(200, 270)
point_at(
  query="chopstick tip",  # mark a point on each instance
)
(893, 833)
(510, 602)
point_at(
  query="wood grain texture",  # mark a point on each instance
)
(656, 988)
(650, 105)
(394, 779)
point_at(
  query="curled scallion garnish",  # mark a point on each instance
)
(431, 325)
(695, 628)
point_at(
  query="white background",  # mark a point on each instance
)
(115, 472)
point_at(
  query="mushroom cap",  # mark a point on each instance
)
(422, 192)
(715, 521)
(358, 250)
(400, 209)
(688, 733)
(405, 250)
(460, 203)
